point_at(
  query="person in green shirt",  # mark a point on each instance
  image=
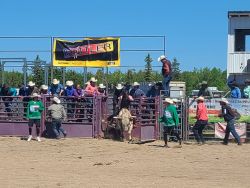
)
(34, 110)
(246, 90)
(170, 119)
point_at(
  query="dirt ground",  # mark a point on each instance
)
(106, 163)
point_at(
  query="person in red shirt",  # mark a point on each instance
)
(166, 73)
(202, 120)
(91, 89)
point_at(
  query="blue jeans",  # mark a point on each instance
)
(57, 127)
(231, 128)
(165, 82)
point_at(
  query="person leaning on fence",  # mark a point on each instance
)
(235, 90)
(57, 113)
(136, 92)
(170, 119)
(44, 89)
(92, 89)
(229, 116)
(166, 73)
(70, 99)
(246, 90)
(202, 120)
(34, 110)
(7, 94)
(56, 89)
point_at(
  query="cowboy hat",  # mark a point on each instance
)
(56, 100)
(93, 79)
(200, 98)
(224, 100)
(55, 81)
(119, 86)
(136, 84)
(31, 83)
(69, 83)
(168, 100)
(44, 87)
(36, 95)
(102, 86)
(87, 83)
(161, 57)
(175, 100)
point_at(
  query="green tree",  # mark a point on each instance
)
(176, 72)
(37, 71)
(148, 68)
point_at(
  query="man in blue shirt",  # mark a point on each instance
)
(235, 90)
(56, 88)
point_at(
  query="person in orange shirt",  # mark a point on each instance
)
(91, 89)
(202, 120)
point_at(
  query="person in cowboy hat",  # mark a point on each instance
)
(202, 120)
(29, 92)
(204, 91)
(136, 92)
(102, 89)
(170, 119)
(229, 117)
(166, 73)
(235, 90)
(34, 110)
(246, 90)
(44, 89)
(69, 94)
(92, 89)
(57, 114)
(116, 95)
(56, 89)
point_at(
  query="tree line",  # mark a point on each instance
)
(214, 76)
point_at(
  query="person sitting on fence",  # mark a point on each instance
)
(34, 110)
(170, 119)
(56, 89)
(204, 91)
(247, 89)
(202, 120)
(22, 90)
(69, 94)
(57, 113)
(116, 95)
(136, 92)
(124, 115)
(235, 90)
(229, 117)
(92, 89)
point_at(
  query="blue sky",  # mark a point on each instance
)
(195, 30)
